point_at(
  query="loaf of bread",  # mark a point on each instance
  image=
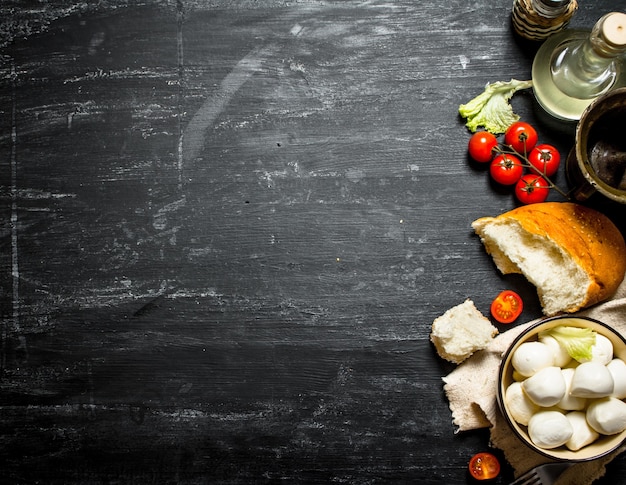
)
(575, 256)
(461, 331)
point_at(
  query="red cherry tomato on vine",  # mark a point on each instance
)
(484, 466)
(521, 136)
(507, 306)
(506, 169)
(545, 158)
(531, 189)
(481, 145)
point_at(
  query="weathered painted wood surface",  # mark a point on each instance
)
(226, 229)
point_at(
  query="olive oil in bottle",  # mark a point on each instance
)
(574, 67)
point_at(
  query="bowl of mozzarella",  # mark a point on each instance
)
(562, 388)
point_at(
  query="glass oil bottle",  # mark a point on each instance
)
(574, 67)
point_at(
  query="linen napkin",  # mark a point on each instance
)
(471, 391)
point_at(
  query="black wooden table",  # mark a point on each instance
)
(227, 227)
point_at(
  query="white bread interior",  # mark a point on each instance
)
(461, 331)
(574, 255)
(561, 283)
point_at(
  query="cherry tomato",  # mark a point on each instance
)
(484, 466)
(545, 158)
(481, 145)
(531, 189)
(507, 306)
(521, 136)
(506, 169)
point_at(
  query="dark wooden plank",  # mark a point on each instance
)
(227, 228)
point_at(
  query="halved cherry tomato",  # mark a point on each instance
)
(531, 189)
(507, 306)
(484, 466)
(481, 145)
(545, 158)
(506, 169)
(521, 136)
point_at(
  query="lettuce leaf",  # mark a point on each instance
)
(577, 341)
(491, 108)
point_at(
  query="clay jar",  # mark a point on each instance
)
(597, 163)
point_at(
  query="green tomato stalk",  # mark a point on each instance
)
(491, 109)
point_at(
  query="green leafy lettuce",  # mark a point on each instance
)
(491, 108)
(577, 341)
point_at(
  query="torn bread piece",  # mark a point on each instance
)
(574, 255)
(461, 331)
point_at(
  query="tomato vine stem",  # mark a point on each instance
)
(509, 150)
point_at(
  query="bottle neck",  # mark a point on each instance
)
(592, 59)
(587, 68)
(550, 9)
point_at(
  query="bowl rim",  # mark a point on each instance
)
(515, 427)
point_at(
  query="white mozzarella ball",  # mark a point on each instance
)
(549, 429)
(531, 357)
(617, 368)
(592, 380)
(520, 407)
(561, 357)
(602, 350)
(569, 402)
(607, 415)
(546, 387)
(583, 433)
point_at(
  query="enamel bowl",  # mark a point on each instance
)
(604, 444)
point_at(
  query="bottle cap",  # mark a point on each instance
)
(614, 29)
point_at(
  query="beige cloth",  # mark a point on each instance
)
(471, 391)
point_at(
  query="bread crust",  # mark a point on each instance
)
(590, 237)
